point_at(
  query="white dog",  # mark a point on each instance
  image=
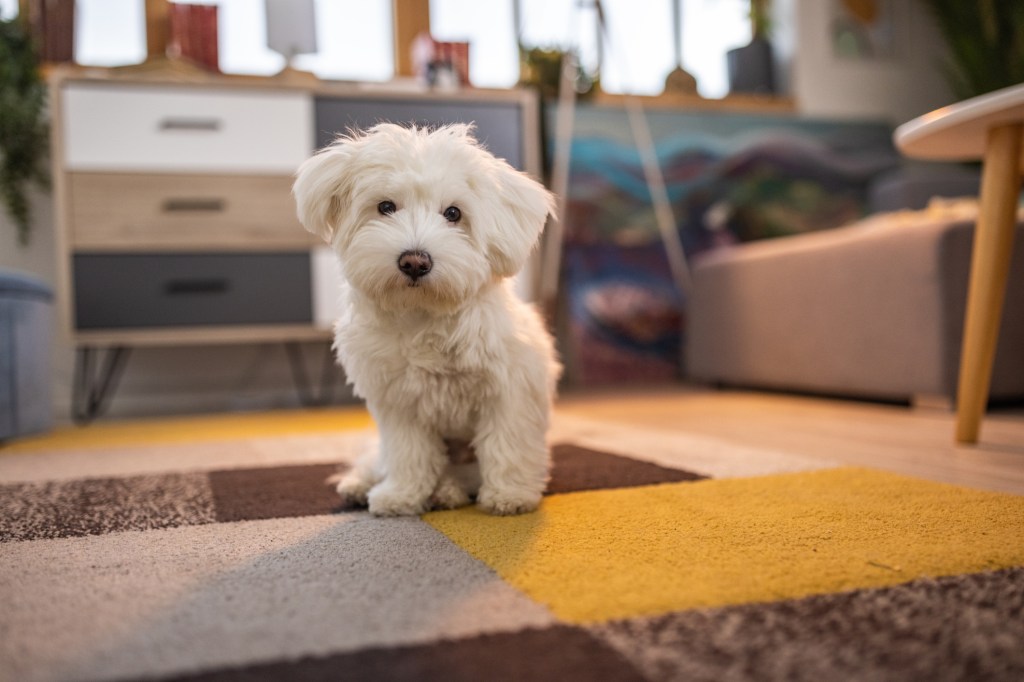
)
(429, 227)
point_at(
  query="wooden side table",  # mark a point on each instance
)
(988, 127)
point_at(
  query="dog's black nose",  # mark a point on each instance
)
(415, 264)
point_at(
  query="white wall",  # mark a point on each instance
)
(895, 89)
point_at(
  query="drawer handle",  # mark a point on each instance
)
(210, 125)
(187, 205)
(196, 287)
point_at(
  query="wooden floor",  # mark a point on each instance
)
(913, 441)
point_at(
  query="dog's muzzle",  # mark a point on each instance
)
(415, 264)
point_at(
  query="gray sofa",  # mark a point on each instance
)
(26, 322)
(871, 310)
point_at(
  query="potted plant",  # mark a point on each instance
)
(751, 67)
(542, 69)
(24, 132)
(986, 44)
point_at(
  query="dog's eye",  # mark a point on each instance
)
(452, 214)
(386, 207)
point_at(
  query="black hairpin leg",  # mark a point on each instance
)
(328, 372)
(91, 394)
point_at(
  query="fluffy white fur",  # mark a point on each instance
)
(452, 355)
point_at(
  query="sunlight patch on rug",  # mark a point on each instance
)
(600, 555)
(195, 429)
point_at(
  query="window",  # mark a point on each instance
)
(488, 28)
(8, 9)
(636, 56)
(110, 32)
(355, 38)
(640, 53)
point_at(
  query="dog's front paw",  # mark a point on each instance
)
(354, 485)
(352, 488)
(386, 501)
(506, 502)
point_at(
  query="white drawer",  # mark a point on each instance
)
(180, 129)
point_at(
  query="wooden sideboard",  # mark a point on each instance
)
(175, 221)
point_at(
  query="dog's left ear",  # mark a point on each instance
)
(523, 206)
(321, 189)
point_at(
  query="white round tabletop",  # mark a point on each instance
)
(958, 132)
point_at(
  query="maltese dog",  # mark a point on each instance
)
(429, 229)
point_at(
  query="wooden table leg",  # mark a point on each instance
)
(990, 267)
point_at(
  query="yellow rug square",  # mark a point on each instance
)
(600, 555)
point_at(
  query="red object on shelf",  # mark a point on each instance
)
(439, 63)
(52, 24)
(194, 34)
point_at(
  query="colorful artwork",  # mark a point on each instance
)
(730, 178)
(866, 29)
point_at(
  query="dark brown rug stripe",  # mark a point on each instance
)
(276, 492)
(557, 654)
(279, 492)
(968, 627)
(61, 509)
(31, 511)
(576, 468)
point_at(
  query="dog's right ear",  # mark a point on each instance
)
(322, 188)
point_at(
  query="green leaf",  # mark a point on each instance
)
(24, 132)
(986, 43)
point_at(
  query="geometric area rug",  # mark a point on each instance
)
(654, 556)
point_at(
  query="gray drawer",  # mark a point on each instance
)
(499, 125)
(115, 291)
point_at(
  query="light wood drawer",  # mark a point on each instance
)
(178, 129)
(113, 212)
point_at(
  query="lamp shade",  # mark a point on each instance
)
(291, 27)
